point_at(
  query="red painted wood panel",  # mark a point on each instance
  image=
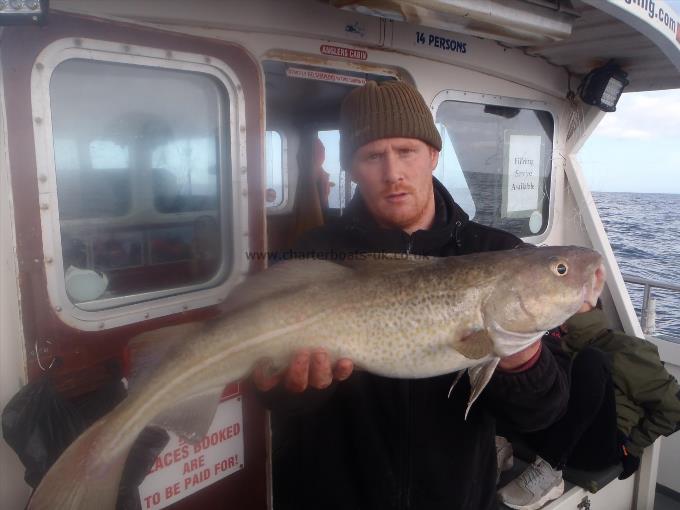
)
(84, 356)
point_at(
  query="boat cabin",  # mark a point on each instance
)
(154, 155)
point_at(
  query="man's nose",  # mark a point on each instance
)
(392, 171)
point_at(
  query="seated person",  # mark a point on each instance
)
(322, 179)
(621, 400)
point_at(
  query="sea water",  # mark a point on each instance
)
(644, 232)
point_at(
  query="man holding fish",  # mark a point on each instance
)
(387, 436)
(347, 439)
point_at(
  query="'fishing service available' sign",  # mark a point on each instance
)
(183, 468)
(521, 190)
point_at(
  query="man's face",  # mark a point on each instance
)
(395, 178)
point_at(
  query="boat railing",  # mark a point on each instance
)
(648, 310)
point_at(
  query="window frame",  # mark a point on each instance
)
(528, 104)
(122, 310)
(283, 206)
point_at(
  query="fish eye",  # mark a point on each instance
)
(560, 268)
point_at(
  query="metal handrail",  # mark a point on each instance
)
(648, 314)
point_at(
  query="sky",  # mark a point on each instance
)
(637, 148)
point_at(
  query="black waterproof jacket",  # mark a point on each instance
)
(376, 443)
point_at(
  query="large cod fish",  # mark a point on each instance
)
(394, 316)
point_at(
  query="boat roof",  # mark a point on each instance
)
(642, 36)
(646, 47)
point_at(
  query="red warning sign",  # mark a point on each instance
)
(183, 468)
(311, 74)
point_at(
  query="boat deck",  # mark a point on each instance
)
(666, 499)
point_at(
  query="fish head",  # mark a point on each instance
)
(538, 289)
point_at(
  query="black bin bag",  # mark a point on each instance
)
(39, 424)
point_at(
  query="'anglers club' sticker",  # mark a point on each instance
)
(339, 51)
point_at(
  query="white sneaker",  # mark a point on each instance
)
(504, 458)
(538, 484)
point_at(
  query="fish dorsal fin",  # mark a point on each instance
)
(479, 378)
(192, 417)
(381, 263)
(283, 277)
(149, 349)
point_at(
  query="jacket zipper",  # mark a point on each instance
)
(456, 232)
(405, 480)
(406, 451)
(409, 445)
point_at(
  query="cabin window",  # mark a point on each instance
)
(276, 193)
(142, 161)
(306, 99)
(450, 174)
(496, 161)
(184, 175)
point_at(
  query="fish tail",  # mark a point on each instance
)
(84, 478)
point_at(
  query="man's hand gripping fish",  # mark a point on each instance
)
(393, 316)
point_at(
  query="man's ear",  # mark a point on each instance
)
(434, 157)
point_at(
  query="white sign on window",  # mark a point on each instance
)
(183, 468)
(521, 179)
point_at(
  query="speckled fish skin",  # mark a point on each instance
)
(422, 319)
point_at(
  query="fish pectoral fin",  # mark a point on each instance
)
(475, 345)
(283, 277)
(479, 378)
(380, 263)
(455, 381)
(190, 418)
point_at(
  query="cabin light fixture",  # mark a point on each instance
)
(602, 87)
(23, 12)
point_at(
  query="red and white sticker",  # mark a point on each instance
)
(340, 51)
(182, 469)
(311, 74)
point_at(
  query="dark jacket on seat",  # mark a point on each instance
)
(647, 396)
(378, 443)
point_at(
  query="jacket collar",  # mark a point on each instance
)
(584, 327)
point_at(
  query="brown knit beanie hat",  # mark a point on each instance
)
(388, 109)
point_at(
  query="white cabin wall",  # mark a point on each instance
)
(12, 356)
(269, 22)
